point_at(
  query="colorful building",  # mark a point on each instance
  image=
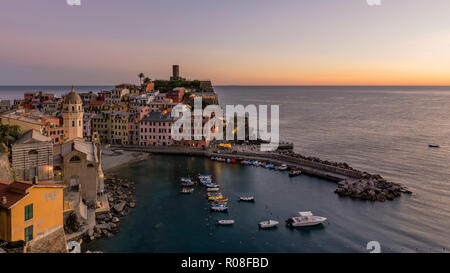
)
(156, 129)
(29, 209)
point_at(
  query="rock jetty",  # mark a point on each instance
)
(121, 197)
(372, 188)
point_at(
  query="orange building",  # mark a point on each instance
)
(29, 210)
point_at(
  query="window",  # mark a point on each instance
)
(73, 123)
(75, 159)
(28, 212)
(90, 165)
(29, 233)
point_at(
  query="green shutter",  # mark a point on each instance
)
(29, 233)
(28, 212)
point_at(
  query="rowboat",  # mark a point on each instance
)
(219, 208)
(187, 190)
(213, 189)
(247, 198)
(225, 222)
(295, 173)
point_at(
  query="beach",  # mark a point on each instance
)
(113, 159)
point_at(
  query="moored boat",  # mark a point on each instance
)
(247, 198)
(268, 224)
(213, 189)
(225, 222)
(219, 208)
(283, 167)
(433, 146)
(305, 219)
(187, 190)
(295, 173)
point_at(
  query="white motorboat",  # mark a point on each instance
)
(225, 222)
(283, 167)
(213, 189)
(268, 224)
(305, 219)
(212, 185)
(247, 198)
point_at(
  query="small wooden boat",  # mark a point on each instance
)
(268, 224)
(220, 201)
(295, 173)
(213, 189)
(187, 190)
(433, 146)
(225, 222)
(247, 198)
(213, 198)
(283, 167)
(221, 208)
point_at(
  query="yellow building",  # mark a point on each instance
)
(29, 210)
(119, 127)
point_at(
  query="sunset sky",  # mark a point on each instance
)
(248, 42)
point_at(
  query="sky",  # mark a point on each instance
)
(231, 42)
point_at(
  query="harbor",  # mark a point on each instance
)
(351, 182)
(169, 221)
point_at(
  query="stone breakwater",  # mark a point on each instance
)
(121, 197)
(351, 182)
(372, 188)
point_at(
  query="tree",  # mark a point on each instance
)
(141, 75)
(9, 134)
(147, 80)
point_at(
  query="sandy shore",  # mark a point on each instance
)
(114, 159)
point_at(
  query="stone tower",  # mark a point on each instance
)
(72, 116)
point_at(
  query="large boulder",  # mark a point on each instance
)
(119, 207)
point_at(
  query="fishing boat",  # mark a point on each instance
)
(295, 173)
(187, 190)
(305, 219)
(225, 222)
(213, 193)
(216, 197)
(186, 181)
(247, 198)
(268, 224)
(220, 201)
(211, 185)
(433, 146)
(283, 167)
(219, 207)
(213, 189)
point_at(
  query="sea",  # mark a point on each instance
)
(384, 130)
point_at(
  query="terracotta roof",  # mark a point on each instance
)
(8, 190)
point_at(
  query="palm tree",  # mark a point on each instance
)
(141, 75)
(147, 80)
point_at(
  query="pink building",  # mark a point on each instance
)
(136, 115)
(156, 129)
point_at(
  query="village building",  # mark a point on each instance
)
(79, 166)
(136, 115)
(177, 94)
(29, 210)
(32, 155)
(5, 105)
(156, 129)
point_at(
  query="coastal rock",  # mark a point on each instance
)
(131, 204)
(115, 220)
(119, 206)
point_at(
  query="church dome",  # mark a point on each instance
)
(73, 98)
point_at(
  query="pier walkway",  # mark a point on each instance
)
(329, 172)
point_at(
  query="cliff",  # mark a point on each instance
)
(5, 169)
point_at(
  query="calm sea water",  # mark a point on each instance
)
(382, 130)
